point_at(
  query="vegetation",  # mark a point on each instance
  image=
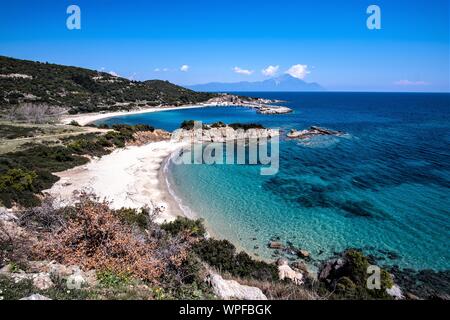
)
(222, 255)
(184, 225)
(95, 238)
(246, 126)
(350, 280)
(25, 173)
(189, 125)
(15, 132)
(83, 90)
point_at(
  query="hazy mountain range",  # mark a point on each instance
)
(285, 82)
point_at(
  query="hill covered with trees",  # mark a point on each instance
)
(83, 90)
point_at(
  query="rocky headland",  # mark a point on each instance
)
(220, 132)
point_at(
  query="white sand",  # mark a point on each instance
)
(86, 118)
(128, 177)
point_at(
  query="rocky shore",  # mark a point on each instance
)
(262, 106)
(220, 132)
(313, 131)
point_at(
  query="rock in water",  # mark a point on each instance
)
(231, 289)
(275, 245)
(303, 254)
(313, 131)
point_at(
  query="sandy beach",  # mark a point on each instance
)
(131, 177)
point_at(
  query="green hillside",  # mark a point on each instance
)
(84, 90)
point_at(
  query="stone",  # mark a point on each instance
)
(395, 292)
(300, 266)
(36, 296)
(275, 245)
(313, 131)
(303, 253)
(286, 272)
(42, 281)
(281, 262)
(231, 289)
(74, 276)
(410, 296)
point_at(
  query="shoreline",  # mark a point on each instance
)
(84, 119)
(139, 170)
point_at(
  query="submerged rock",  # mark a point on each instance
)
(275, 245)
(303, 253)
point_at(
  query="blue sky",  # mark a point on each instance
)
(228, 41)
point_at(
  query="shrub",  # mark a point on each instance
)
(181, 224)
(95, 238)
(219, 124)
(187, 124)
(246, 126)
(74, 123)
(139, 218)
(18, 180)
(221, 254)
(110, 279)
(350, 280)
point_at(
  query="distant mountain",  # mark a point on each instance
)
(285, 82)
(84, 90)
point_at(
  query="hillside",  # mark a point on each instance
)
(282, 83)
(84, 90)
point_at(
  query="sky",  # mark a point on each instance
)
(191, 42)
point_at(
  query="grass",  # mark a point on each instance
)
(15, 136)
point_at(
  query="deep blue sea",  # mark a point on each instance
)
(383, 188)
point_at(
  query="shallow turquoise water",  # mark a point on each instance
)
(383, 187)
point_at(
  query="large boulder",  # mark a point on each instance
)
(286, 272)
(231, 289)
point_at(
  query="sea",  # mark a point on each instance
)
(383, 187)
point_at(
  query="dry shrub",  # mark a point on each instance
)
(95, 238)
(15, 243)
(44, 217)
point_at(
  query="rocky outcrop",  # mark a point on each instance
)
(222, 134)
(273, 110)
(41, 274)
(262, 106)
(231, 289)
(144, 137)
(313, 131)
(286, 272)
(42, 281)
(395, 292)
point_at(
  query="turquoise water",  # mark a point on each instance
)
(383, 188)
